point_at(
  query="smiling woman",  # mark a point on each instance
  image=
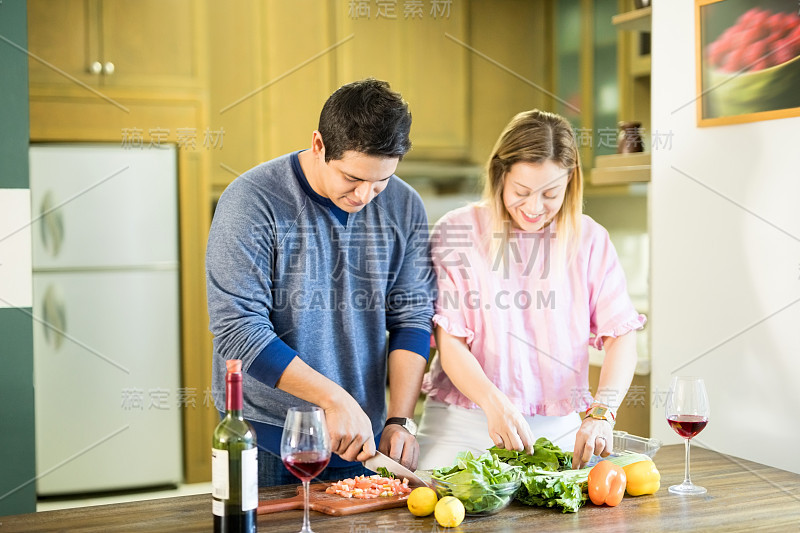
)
(534, 193)
(537, 152)
(518, 371)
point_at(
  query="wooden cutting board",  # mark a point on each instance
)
(332, 504)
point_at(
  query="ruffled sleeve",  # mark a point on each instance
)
(612, 312)
(454, 329)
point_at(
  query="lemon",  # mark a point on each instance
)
(421, 501)
(449, 512)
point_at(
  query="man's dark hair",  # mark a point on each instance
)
(365, 116)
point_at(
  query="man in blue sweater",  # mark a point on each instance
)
(312, 258)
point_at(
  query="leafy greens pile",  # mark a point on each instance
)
(470, 477)
(547, 476)
(544, 488)
(546, 455)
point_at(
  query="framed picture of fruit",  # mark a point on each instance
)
(748, 60)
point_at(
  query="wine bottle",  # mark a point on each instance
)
(234, 463)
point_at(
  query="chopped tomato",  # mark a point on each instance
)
(364, 483)
(365, 487)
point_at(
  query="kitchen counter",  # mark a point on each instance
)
(742, 496)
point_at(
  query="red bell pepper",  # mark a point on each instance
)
(607, 484)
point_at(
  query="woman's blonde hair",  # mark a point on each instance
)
(535, 137)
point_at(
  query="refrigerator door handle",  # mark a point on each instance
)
(54, 316)
(52, 225)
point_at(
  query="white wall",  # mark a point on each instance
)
(718, 269)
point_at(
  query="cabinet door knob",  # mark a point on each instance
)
(108, 68)
(96, 67)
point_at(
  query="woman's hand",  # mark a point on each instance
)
(507, 427)
(594, 437)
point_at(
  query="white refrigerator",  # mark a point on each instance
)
(106, 318)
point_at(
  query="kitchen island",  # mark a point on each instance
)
(742, 496)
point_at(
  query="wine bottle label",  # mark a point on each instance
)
(249, 479)
(217, 507)
(219, 474)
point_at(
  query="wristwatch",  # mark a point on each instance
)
(407, 423)
(601, 412)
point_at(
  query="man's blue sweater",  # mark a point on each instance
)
(290, 274)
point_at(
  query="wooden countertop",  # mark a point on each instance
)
(742, 496)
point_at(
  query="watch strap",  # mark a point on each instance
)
(407, 423)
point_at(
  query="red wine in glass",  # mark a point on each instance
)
(306, 465)
(687, 426)
(305, 448)
(687, 412)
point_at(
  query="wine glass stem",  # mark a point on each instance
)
(306, 523)
(687, 479)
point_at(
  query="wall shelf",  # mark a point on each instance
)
(621, 168)
(636, 20)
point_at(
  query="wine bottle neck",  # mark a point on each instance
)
(233, 393)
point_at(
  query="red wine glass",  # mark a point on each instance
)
(305, 448)
(687, 413)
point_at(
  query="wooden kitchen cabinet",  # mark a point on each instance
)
(269, 80)
(62, 37)
(422, 58)
(297, 68)
(114, 43)
(511, 68)
(235, 73)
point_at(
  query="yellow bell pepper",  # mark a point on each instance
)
(643, 478)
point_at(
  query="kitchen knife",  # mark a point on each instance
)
(380, 460)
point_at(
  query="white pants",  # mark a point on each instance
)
(446, 430)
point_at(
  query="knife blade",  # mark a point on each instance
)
(380, 460)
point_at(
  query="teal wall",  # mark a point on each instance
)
(18, 464)
(14, 94)
(18, 467)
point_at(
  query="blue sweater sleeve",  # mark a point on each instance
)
(239, 284)
(409, 306)
(412, 339)
(269, 364)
